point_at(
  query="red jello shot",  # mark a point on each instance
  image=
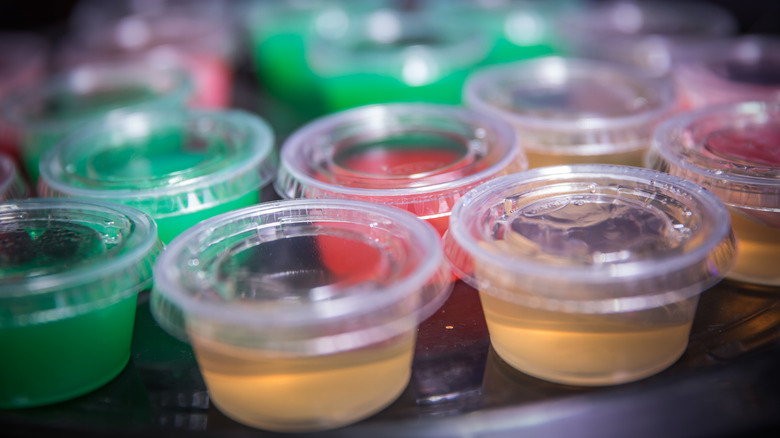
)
(195, 36)
(733, 150)
(731, 70)
(12, 185)
(418, 157)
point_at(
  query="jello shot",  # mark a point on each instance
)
(12, 184)
(745, 68)
(733, 150)
(590, 274)
(418, 157)
(70, 272)
(395, 55)
(650, 34)
(180, 167)
(569, 111)
(194, 36)
(302, 313)
(23, 59)
(46, 112)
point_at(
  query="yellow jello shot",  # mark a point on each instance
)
(302, 314)
(569, 111)
(734, 151)
(590, 274)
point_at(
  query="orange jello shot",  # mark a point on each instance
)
(418, 157)
(569, 111)
(590, 274)
(286, 339)
(734, 151)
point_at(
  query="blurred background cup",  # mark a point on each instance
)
(197, 36)
(735, 69)
(418, 157)
(302, 314)
(23, 61)
(180, 167)
(12, 184)
(279, 37)
(394, 55)
(568, 110)
(46, 112)
(70, 271)
(732, 150)
(590, 274)
(649, 34)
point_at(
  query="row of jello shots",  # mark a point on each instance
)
(600, 249)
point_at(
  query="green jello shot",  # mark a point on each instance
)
(180, 167)
(70, 271)
(392, 55)
(46, 112)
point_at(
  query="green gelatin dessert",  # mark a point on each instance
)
(70, 272)
(180, 167)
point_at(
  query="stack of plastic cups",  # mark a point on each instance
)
(12, 185)
(22, 61)
(194, 36)
(45, 113)
(391, 55)
(70, 271)
(650, 34)
(590, 274)
(180, 167)
(746, 68)
(302, 314)
(568, 111)
(732, 150)
(417, 157)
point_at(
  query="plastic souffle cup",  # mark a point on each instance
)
(569, 111)
(418, 157)
(393, 55)
(178, 166)
(732, 149)
(70, 271)
(46, 112)
(302, 313)
(744, 68)
(651, 35)
(12, 185)
(590, 274)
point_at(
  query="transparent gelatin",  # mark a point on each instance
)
(419, 157)
(590, 274)
(569, 111)
(180, 167)
(732, 150)
(302, 314)
(70, 273)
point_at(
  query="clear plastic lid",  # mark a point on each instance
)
(650, 34)
(419, 157)
(164, 162)
(416, 47)
(63, 258)
(301, 276)
(728, 70)
(93, 90)
(731, 149)
(590, 238)
(572, 106)
(12, 186)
